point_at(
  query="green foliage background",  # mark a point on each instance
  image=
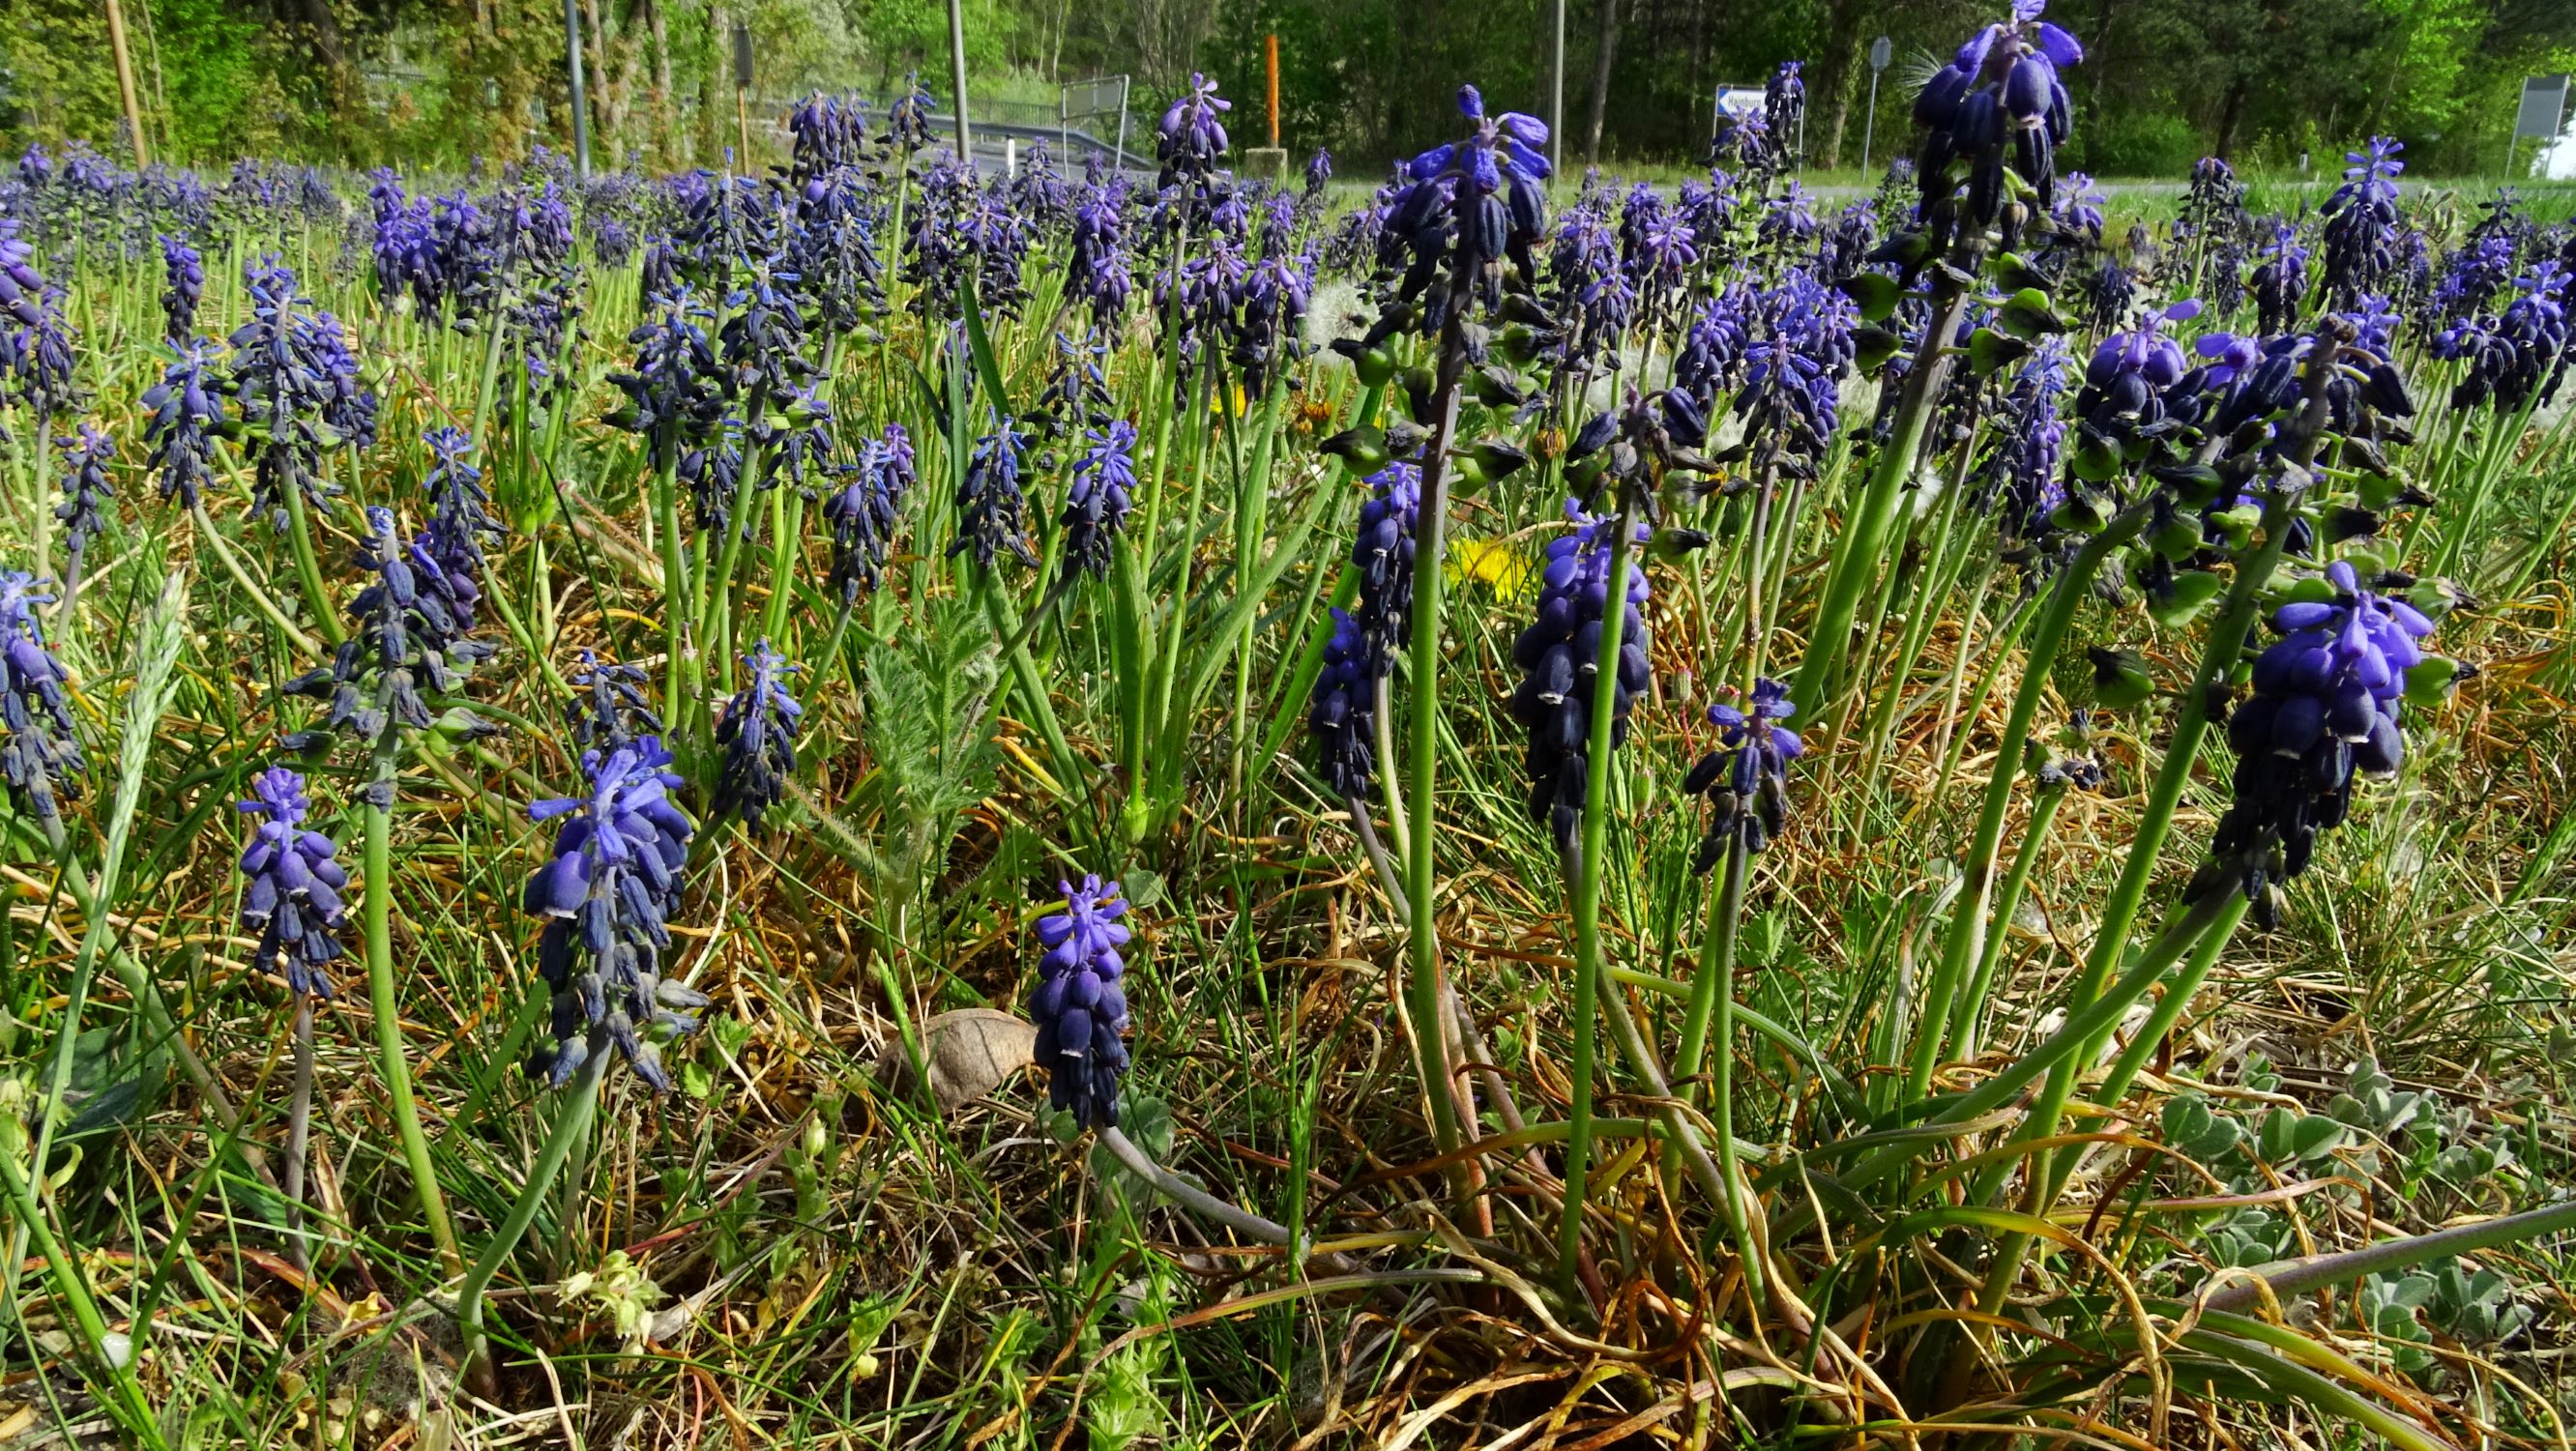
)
(435, 82)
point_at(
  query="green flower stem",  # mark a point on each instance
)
(260, 599)
(1398, 823)
(37, 450)
(2070, 1038)
(572, 1124)
(393, 1054)
(308, 571)
(1590, 858)
(72, 1287)
(2296, 1277)
(2168, 1012)
(1711, 1020)
(786, 526)
(1965, 941)
(1969, 1027)
(2120, 912)
(1431, 533)
(679, 667)
(1860, 550)
(1951, 717)
(1711, 992)
(717, 624)
(1181, 1191)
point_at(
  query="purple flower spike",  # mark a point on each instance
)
(292, 894)
(605, 897)
(1079, 1006)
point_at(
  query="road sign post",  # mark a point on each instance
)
(1881, 51)
(2540, 117)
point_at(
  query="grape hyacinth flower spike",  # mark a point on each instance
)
(460, 518)
(294, 883)
(864, 509)
(40, 754)
(609, 709)
(1360, 654)
(606, 896)
(992, 512)
(87, 495)
(1098, 498)
(185, 413)
(2326, 705)
(2361, 221)
(1558, 655)
(185, 288)
(758, 737)
(1192, 135)
(408, 632)
(1998, 104)
(1747, 778)
(1079, 1006)
(1480, 195)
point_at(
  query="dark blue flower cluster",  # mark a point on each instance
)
(293, 884)
(1362, 648)
(1098, 277)
(992, 512)
(2326, 704)
(185, 414)
(865, 508)
(2361, 221)
(41, 754)
(827, 132)
(2518, 358)
(1097, 499)
(297, 390)
(2280, 280)
(1559, 656)
(1746, 778)
(1191, 137)
(184, 286)
(672, 394)
(88, 498)
(1079, 1006)
(408, 632)
(608, 709)
(908, 119)
(1473, 204)
(460, 519)
(1793, 372)
(1998, 104)
(2021, 470)
(757, 734)
(606, 896)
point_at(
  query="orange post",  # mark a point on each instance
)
(1273, 48)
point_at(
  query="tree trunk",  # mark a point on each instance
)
(711, 107)
(2231, 112)
(665, 145)
(1844, 54)
(1604, 55)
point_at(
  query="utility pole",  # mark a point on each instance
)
(580, 101)
(1556, 98)
(1271, 46)
(957, 76)
(125, 79)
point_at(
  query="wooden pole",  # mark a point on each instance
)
(957, 78)
(125, 80)
(1273, 49)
